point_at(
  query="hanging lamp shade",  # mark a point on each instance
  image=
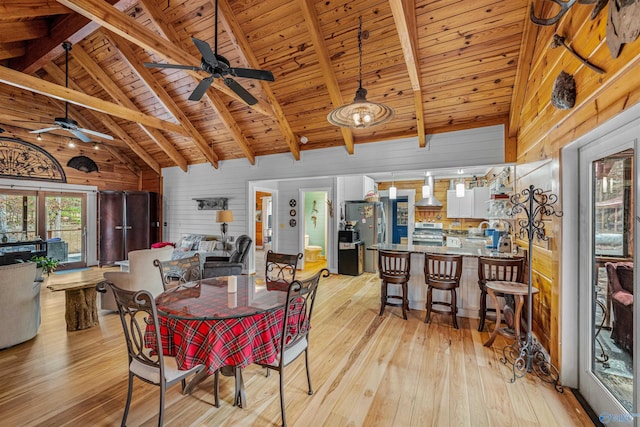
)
(360, 113)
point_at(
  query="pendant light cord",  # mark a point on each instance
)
(67, 48)
(359, 49)
(216, 31)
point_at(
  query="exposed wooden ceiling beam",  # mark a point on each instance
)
(58, 76)
(246, 53)
(12, 50)
(72, 28)
(43, 87)
(128, 28)
(404, 16)
(17, 9)
(106, 83)
(23, 30)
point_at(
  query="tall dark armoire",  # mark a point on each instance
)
(128, 221)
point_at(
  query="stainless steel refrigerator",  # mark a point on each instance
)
(369, 220)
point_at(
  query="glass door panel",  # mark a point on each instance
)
(65, 228)
(17, 217)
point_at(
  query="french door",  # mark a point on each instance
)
(58, 218)
(608, 329)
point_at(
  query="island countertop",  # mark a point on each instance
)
(475, 251)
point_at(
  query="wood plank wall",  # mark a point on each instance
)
(543, 131)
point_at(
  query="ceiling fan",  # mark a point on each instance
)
(218, 67)
(65, 123)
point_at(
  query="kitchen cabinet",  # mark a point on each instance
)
(460, 207)
(128, 221)
(355, 187)
(472, 205)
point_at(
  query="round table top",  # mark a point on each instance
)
(511, 288)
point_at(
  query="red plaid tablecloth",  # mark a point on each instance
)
(217, 343)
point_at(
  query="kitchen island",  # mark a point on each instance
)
(468, 294)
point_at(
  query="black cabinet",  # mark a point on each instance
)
(351, 258)
(128, 221)
(13, 252)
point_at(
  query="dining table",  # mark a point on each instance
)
(225, 323)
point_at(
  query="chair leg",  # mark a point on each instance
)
(216, 388)
(405, 301)
(428, 306)
(162, 393)
(483, 308)
(306, 362)
(383, 297)
(128, 404)
(454, 307)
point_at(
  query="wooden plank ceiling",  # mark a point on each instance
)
(441, 65)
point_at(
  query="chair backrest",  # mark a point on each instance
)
(394, 267)
(181, 270)
(619, 276)
(297, 314)
(137, 310)
(281, 267)
(442, 268)
(507, 269)
(243, 243)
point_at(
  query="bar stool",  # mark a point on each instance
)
(442, 272)
(490, 269)
(394, 268)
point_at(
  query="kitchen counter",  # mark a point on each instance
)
(475, 251)
(468, 300)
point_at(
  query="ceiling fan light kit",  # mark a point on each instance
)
(360, 113)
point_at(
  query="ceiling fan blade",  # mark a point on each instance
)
(205, 51)
(45, 129)
(240, 91)
(179, 67)
(201, 89)
(95, 133)
(81, 136)
(252, 74)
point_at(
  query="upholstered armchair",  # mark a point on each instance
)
(142, 274)
(620, 282)
(19, 303)
(216, 266)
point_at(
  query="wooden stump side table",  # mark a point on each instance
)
(519, 291)
(81, 307)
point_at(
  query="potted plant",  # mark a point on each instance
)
(44, 264)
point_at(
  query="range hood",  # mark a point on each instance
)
(429, 202)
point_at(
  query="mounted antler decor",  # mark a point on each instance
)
(560, 41)
(527, 356)
(563, 96)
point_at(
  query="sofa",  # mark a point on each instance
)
(142, 274)
(19, 303)
(620, 284)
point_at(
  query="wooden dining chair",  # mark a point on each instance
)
(490, 269)
(294, 339)
(280, 269)
(137, 310)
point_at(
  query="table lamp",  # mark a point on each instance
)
(224, 217)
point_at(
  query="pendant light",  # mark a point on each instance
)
(360, 113)
(460, 185)
(427, 191)
(393, 191)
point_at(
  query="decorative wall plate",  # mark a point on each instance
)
(292, 222)
(293, 203)
(292, 212)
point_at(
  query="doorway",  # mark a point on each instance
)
(315, 229)
(400, 210)
(607, 283)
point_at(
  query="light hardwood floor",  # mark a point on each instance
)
(366, 371)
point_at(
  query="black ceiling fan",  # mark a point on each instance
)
(218, 67)
(65, 123)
